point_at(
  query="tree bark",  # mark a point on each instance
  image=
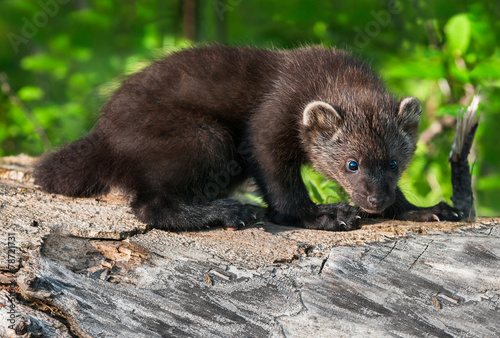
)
(189, 17)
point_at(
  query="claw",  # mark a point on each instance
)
(435, 217)
(455, 214)
(342, 223)
(357, 217)
(242, 223)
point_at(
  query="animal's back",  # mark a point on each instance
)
(150, 131)
(223, 82)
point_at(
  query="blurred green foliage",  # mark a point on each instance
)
(61, 59)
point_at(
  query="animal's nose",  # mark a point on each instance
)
(377, 201)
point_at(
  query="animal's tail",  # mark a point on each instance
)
(79, 169)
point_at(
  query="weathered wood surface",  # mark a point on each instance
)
(87, 269)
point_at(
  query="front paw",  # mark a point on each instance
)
(235, 214)
(335, 217)
(439, 212)
(444, 212)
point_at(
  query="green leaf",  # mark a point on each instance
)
(320, 28)
(316, 194)
(460, 74)
(412, 69)
(321, 190)
(78, 86)
(488, 183)
(256, 199)
(30, 93)
(486, 70)
(44, 63)
(449, 109)
(458, 34)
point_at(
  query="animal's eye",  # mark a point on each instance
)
(352, 166)
(393, 165)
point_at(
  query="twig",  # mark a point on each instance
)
(7, 89)
(467, 124)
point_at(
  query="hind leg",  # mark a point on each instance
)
(182, 174)
(170, 213)
(196, 204)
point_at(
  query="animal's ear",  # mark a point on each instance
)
(409, 114)
(321, 115)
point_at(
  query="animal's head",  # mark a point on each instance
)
(364, 149)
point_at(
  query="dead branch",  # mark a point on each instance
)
(467, 124)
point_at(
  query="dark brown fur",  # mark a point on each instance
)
(184, 132)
